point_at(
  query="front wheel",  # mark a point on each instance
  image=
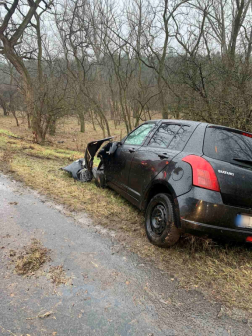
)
(160, 221)
(85, 175)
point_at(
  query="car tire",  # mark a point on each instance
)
(85, 175)
(160, 224)
(100, 180)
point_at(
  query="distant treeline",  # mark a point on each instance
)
(99, 60)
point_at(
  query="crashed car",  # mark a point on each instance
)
(188, 177)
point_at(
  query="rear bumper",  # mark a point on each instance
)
(214, 231)
(202, 211)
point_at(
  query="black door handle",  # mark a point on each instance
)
(132, 150)
(163, 156)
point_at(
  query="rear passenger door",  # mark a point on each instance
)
(155, 155)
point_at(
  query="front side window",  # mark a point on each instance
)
(138, 136)
(164, 135)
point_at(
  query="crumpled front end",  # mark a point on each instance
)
(79, 171)
(82, 169)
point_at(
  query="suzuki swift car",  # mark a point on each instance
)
(187, 176)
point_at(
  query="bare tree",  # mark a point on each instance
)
(20, 18)
(77, 27)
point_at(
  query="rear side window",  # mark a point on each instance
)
(227, 145)
(164, 135)
(180, 139)
(138, 136)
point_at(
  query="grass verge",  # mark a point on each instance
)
(221, 272)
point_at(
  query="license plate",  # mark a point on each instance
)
(244, 221)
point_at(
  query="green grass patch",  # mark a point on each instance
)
(36, 150)
(8, 133)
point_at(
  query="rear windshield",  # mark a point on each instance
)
(227, 145)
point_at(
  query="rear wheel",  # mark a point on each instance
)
(160, 224)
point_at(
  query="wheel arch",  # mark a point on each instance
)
(162, 188)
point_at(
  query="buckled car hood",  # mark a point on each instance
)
(91, 150)
(87, 162)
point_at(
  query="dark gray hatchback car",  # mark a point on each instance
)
(187, 176)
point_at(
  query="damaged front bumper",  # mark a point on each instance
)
(76, 169)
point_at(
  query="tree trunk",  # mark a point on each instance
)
(100, 122)
(29, 120)
(82, 122)
(52, 127)
(6, 113)
(92, 118)
(107, 125)
(4, 107)
(15, 116)
(163, 103)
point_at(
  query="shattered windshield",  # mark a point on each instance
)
(138, 136)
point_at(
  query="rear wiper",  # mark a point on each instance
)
(248, 162)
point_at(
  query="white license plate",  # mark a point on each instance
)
(244, 221)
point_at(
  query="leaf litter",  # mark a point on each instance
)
(31, 258)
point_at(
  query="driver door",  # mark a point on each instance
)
(119, 165)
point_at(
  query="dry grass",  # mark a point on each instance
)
(35, 150)
(68, 133)
(58, 275)
(31, 258)
(221, 272)
(46, 176)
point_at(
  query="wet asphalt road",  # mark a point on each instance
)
(110, 290)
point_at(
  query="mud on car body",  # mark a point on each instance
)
(187, 176)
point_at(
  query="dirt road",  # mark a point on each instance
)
(109, 291)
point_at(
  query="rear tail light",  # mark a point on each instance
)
(249, 239)
(203, 173)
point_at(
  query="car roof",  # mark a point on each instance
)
(196, 123)
(179, 121)
(228, 128)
